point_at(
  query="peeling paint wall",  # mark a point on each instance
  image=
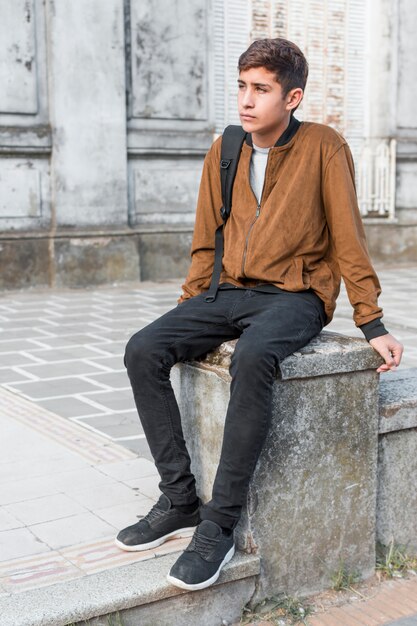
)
(170, 112)
(25, 138)
(17, 35)
(87, 99)
(169, 62)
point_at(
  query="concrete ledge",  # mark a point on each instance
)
(397, 495)
(329, 353)
(397, 460)
(398, 401)
(119, 589)
(392, 241)
(73, 258)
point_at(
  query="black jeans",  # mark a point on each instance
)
(270, 326)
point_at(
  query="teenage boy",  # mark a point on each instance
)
(294, 230)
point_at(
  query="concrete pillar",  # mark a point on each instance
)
(87, 112)
(397, 461)
(312, 500)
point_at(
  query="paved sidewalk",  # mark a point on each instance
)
(394, 603)
(74, 464)
(63, 350)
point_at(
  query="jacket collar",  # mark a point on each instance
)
(286, 136)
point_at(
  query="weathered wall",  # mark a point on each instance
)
(391, 97)
(110, 107)
(103, 129)
(170, 113)
(25, 134)
(87, 112)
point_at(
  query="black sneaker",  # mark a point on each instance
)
(200, 564)
(161, 523)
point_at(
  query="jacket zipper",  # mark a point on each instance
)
(258, 210)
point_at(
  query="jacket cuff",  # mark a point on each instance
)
(373, 329)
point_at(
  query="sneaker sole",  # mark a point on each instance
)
(181, 532)
(206, 583)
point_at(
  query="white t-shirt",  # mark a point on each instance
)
(257, 170)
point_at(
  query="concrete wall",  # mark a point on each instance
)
(110, 107)
(103, 129)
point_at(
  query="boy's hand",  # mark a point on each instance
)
(391, 351)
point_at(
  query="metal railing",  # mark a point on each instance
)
(376, 178)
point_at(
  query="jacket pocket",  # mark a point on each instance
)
(296, 279)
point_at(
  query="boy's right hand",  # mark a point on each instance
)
(391, 351)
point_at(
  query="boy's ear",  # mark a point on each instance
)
(295, 96)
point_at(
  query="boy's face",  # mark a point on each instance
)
(262, 109)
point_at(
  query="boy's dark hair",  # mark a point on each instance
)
(280, 56)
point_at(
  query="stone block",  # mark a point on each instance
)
(398, 402)
(311, 502)
(397, 461)
(165, 190)
(84, 261)
(24, 263)
(139, 593)
(397, 494)
(392, 241)
(215, 606)
(164, 255)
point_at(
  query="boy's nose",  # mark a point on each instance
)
(247, 100)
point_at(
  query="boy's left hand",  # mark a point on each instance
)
(391, 351)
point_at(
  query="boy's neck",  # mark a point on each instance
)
(269, 140)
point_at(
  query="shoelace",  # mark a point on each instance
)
(202, 544)
(153, 514)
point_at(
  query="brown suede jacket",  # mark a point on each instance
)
(307, 232)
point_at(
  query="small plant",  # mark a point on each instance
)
(393, 561)
(344, 578)
(115, 620)
(278, 610)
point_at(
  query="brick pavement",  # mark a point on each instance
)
(74, 460)
(394, 603)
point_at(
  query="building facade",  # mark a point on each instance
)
(108, 108)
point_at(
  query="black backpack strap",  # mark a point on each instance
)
(233, 138)
(232, 141)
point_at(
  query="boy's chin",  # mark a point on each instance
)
(248, 126)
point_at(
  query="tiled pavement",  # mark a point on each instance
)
(64, 352)
(74, 463)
